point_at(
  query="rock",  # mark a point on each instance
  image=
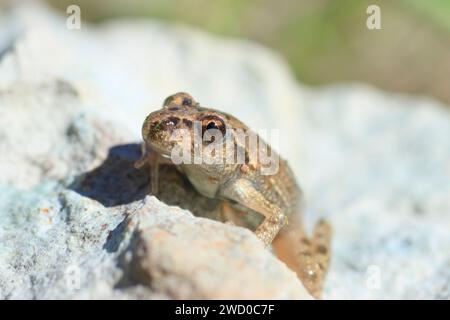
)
(75, 221)
(65, 246)
(384, 163)
(194, 268)
(48, 134)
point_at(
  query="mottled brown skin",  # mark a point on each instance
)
(242, 187)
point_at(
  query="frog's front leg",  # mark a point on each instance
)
(308, 257)
(243, 192)
(154, 160)
(143, 160)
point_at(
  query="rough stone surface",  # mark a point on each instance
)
(189, 258)
(74, 218)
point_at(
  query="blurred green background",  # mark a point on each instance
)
(325, 41)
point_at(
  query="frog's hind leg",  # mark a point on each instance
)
(231, 215)
(243, 192)
(308, 257)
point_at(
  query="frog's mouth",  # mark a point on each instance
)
(164, 152)
(172, 150)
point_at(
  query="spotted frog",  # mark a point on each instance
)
(276, 198)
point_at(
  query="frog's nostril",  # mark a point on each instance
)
(155, 126)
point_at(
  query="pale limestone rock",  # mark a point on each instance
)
(74, 220)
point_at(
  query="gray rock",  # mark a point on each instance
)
(385, 185)
(75, 221)
(191, 258)
(63, 245)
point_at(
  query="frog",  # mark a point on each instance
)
(241, 187)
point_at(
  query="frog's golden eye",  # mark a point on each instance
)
(213, 123)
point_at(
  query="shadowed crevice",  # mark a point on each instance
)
(116, 181)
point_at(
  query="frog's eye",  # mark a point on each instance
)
(186, 102)
(178, 99)
(213, 123)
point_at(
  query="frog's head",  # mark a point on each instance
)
(182, 114)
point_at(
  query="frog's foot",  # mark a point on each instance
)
(308, 257)
(314, 258)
